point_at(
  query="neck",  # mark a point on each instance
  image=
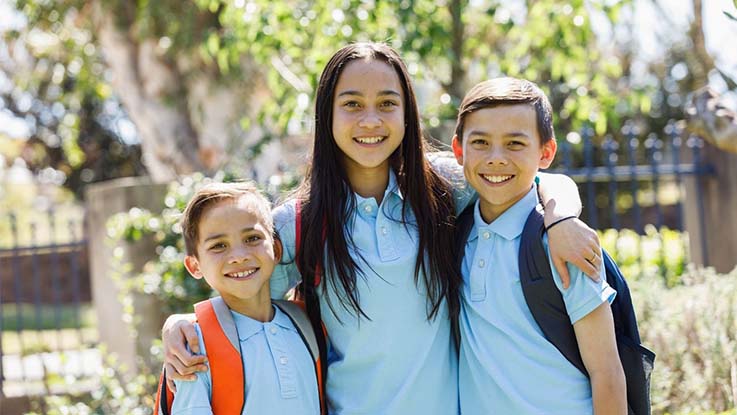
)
(258, 308)
(370, 182)
(490, 211)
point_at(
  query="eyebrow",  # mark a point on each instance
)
(381, 93)
(220, 235)
(485, 134)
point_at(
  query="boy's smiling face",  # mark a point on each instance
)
(501, 152)
(236, 253)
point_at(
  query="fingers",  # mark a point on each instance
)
(169, 381)
(560, 266)
(588, 268)
(190, 336)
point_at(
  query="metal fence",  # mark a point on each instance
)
(47, 336)
(637, 182)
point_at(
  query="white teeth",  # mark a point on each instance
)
(242, 274)
(369, 140)
(497, 179)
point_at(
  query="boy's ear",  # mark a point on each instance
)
(457, 145)
(193, 266)
(548, 154)
(278, 250)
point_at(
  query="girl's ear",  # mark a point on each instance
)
(548, 153)
(457, 149)
(193, 266)
(278, 250)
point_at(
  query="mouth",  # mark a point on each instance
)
(370, 141)
(242, 275)
(496, 179)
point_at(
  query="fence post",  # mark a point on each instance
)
(103, 201)
(717, 195)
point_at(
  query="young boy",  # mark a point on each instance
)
(503, 136)
(229, 237)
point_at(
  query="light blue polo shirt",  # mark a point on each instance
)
(506, 364)
(395, 362)
(280, 374)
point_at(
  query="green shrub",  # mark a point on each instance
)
(692, 328)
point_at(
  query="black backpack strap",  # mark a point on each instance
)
(542, 295)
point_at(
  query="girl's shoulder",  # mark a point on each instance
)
(444, 163)
(284, 213)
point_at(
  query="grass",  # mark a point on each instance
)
(46, 317)
(39, 341)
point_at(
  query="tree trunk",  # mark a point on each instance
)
(187, 118)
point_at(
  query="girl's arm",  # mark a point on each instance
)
(570, 240)
(180, 364)
(598, 346)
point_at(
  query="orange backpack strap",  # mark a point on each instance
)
(295, 311)
(164, 397)
(224, 356)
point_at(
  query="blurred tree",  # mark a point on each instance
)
(55, 85)
(206, 81)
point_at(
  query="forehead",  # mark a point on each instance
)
(368, 76)
(233, 214)
(502, 118)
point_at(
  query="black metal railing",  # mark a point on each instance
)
(44, 299)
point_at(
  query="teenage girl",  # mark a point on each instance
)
(377, 216)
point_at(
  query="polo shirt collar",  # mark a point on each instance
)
(392, 187)
(509, 224)
(248, 327)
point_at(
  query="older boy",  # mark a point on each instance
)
(503, 136)
(229, 238)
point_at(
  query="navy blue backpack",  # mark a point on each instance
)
(549, 311)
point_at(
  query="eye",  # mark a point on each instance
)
(389, 104)
(253, 239)
(217, 246)
(516, 144)
(351, 104)
(477, 142)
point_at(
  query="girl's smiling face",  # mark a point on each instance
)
(368, 116)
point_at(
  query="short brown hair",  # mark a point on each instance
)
(213, 193)
(508, 91)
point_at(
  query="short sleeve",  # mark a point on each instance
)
(286, 275)
(444, 163)
(193, 398)
(583, 295)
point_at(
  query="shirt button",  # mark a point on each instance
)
(384, 231)
(486, 235)
(367, 208)
(481, 263)
(272, 330)
(283, 360)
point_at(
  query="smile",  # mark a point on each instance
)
(496, 179)
(370, 140)
(242, 274)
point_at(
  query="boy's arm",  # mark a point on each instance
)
(598, 346)
(571, 240)
(178, 333)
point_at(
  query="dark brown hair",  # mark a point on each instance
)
(213, 193)
(328, 201)
(508, 91)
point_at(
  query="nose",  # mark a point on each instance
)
(370, 120)
(238, 255)
(496, 156)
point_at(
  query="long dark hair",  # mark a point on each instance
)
(327, 201)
